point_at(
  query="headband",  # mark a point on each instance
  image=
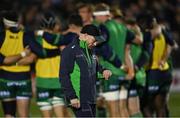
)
(101, 13)
(10, 23)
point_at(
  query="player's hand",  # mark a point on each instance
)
(124, 67)
(26, 52)
(39, 33)
(75, 103)
(161, 64)
(107, 74)
(136, 28)
(130, 75)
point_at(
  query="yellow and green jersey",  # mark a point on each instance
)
(47, 70)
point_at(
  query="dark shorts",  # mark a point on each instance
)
(13, 89)
(133, 89)
(158, 81)
(115, 83)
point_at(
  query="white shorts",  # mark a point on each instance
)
(115, 95)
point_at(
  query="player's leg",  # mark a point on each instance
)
(7, 96)
(23, 97)
(123, 106)
(23, 104)
(100, 101)
(111, 96)
(133, 101)
(152, 88)
(59, 110)
(9, 108)
(161, 97)
(167, 108)
(134, 107)
(141, 92)
(101, 107)
(58, 104)
(160, 105)
(123, 99)
(112, 100)
(43, 96)
(148, 109)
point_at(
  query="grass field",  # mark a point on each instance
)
(174, 105)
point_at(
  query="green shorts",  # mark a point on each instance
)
(48, 98)
(13, 89)
(158, 81)
(112, 84)
(115, 83)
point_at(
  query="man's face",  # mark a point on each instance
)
(101, 18)
(85, 14)
(90, 40)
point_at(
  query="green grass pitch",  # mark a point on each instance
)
(174, 105)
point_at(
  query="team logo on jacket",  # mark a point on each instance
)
(80, 55)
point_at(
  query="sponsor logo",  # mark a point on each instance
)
(4, 93)
(73, 46)
(16, 83)
(43, 94)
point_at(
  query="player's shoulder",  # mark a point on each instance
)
(70, 35)
(70, 48)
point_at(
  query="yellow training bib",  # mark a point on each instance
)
(13, 45)
(49, 67)
(158, 52)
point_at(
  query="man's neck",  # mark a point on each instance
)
(88, 22)
(76, 30)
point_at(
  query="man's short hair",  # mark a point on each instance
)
(75, 19)
(116, 12)
(84, 5)
(145, 20)
(10, 18)
(101, 7)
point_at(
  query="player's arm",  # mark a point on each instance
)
(169, 46)
(106, 51)
(11, 60)
(27, 60)
(54, 39)
(138, 34)
(130, 37)
(129, 63)
(105, 73)
(108, 54)
(37, 49)
(147, 47)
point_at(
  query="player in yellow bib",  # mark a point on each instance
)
(49, 94)
(15, 83)
(159, 77)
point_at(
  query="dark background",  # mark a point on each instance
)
(167, 12)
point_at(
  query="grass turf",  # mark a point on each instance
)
(174, 106)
